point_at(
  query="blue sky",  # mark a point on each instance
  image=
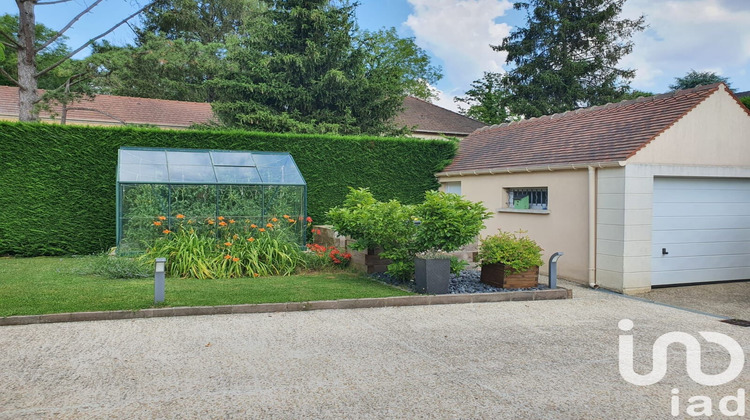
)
(704, 35)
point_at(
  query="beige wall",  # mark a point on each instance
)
(716, 132)
(563, 228)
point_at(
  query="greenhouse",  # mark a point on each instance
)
(162, 191)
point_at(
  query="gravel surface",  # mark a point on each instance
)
(554, 360)
(465, 282)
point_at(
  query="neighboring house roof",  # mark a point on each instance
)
(602, 134)
(118, 110)
(742, 94)
(421, 116)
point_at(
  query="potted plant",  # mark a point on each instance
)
(432, 272)
(509, 260)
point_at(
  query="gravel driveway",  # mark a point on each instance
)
(552, 359)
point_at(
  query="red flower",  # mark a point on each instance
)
(309, 219)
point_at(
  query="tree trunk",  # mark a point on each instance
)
(27, 78)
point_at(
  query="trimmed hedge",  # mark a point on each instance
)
(57, 183)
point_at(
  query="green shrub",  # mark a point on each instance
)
(518, 253)
(57, 183)
(746, 101)
(114, 267)
(443, 222)
(458, 265)
(226, 248)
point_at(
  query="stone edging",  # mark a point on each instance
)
(560, 293)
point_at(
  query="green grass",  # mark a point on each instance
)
(43, 285)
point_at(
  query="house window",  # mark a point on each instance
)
(452, 187)
(527, 198)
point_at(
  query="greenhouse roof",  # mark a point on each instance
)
(196, 166)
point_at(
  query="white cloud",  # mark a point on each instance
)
(445, 99)
(459, 32)
(702, 35)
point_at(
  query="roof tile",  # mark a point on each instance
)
(434, 119)
(599, 134)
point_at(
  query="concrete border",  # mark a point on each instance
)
(559, 293)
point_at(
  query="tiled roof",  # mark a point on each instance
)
(158, 112)
(600, 134)
(430, 118)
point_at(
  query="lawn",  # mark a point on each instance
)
(30, 286)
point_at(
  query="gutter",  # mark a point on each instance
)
(538, 168)
(592, 227)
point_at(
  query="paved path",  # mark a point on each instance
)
(727, 299)
(554, 359)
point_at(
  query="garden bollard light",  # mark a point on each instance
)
(553, 269)
(159, 280)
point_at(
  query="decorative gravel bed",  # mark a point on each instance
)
(466, 282)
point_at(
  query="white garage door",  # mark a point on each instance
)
(701, 230)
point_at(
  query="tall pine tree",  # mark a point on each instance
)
(303, 72)
(567, 55)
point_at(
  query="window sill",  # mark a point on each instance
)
(524, 211)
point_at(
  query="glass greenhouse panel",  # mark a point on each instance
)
(160, 189)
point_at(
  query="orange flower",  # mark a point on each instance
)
(210, 221)
(228, 243)
(292, 221)
(220, 217)
(162, 218)
(251, 239)
(256, 275)
(286, 216)
(253, 226)
(261, 230)
(235, 236)
(235, 259)
(274, 220)
(167, 231)
(226, 257)
(270, 225)
(231, 220)
(222, 223)
(157, 223)
(180, 216)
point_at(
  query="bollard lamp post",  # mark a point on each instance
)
(553, 269)
(159, 280)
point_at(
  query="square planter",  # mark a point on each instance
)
(494, 275)
(432, 276)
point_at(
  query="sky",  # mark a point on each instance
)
(682, 35)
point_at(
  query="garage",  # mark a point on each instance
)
(701, 230)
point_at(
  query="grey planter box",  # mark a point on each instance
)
(432, 276)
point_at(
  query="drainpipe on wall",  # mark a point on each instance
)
(592, 227)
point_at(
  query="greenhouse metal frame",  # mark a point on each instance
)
(249, 186)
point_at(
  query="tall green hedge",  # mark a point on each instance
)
(57, 183)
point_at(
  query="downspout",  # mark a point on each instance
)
(592, 227)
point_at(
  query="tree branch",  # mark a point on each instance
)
(91, 41)
(45, 3)
(10, 38)
(81, 108)
(63, 30)
(9, 77)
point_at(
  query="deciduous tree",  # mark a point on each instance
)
(487, 100)
(695, 78)
(28, 50)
